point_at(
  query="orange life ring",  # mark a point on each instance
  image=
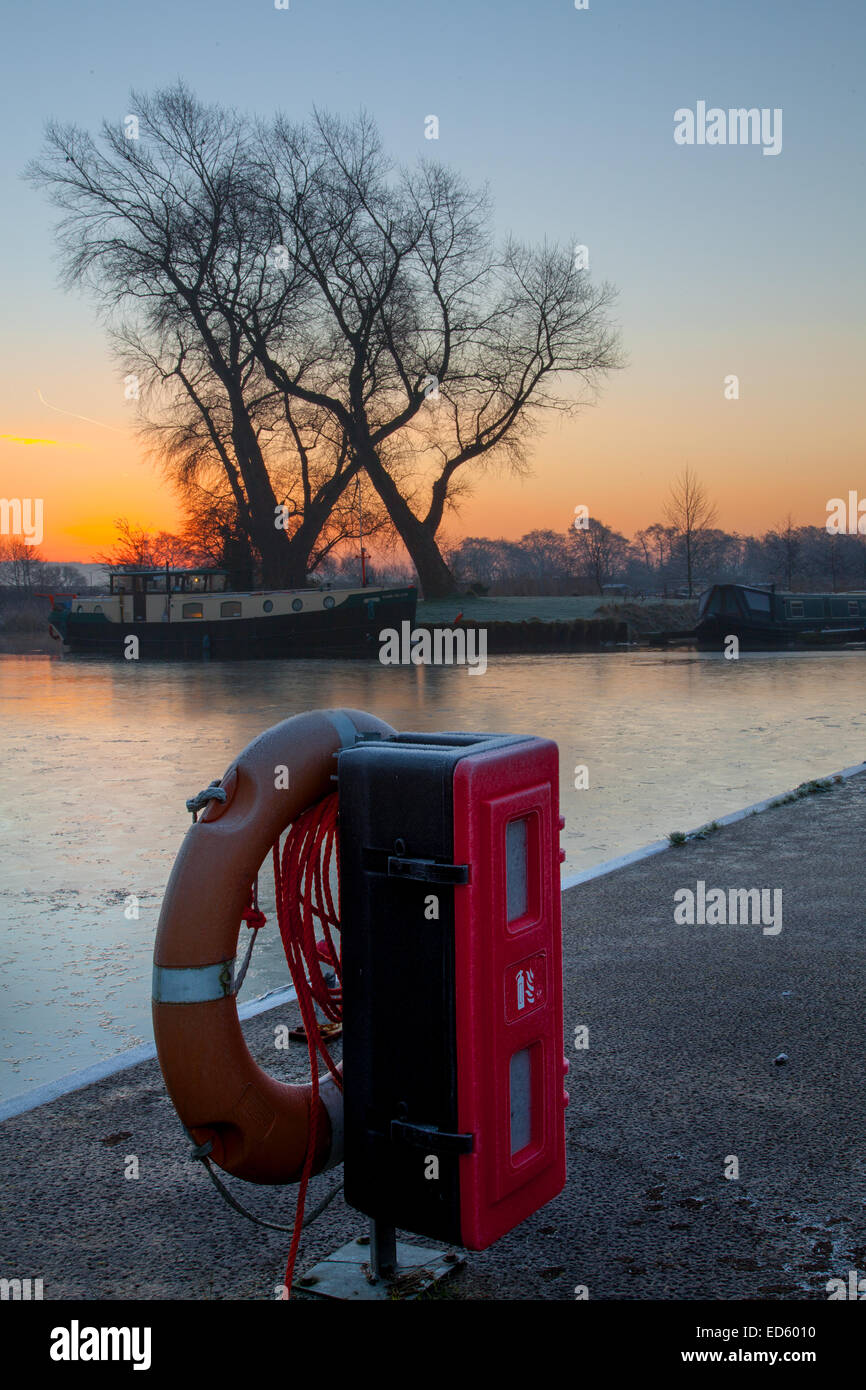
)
(259, 1128)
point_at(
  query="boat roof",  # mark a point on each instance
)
(172, 569)
(789, 593)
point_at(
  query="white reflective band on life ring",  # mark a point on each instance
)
(344, 726)
(195, 984)
(332, 1098)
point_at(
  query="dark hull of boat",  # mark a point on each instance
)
(711, 633)
(351, 629)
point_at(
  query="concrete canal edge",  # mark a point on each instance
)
(122, 1061)
(609, 866)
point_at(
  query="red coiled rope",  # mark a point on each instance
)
(304, 899)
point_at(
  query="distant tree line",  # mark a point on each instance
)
(657, 561)
(574, 561)
(678, 556)
(24, 572)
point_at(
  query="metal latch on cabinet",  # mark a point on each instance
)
(429, 1137)
(427, 870)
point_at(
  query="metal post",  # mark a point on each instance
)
(383, 1251)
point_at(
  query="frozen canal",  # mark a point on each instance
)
(99, 758)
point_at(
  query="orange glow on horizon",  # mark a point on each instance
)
(619, 459)
(86, 483)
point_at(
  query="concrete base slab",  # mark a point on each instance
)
(346, 1273)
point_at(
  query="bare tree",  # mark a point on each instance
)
(656, 543)
(166, 226)
(136, 547)
(599, 551)
(302, 307)
(21, 565)
(54, 576)
(827, 554)
(430, 350)
(691, 514)
(786, 543)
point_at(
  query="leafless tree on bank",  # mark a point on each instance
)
(136, 547)
(786, 541)
(691, 514)
(317, 309)
(165, 228)
(431, 350)
(599, 552)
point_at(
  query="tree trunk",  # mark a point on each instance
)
(434, 576)
(280, 568)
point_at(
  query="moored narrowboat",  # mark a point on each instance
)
(193, 613)
(762, 618)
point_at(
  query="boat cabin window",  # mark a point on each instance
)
(758, 601)
(193, 610)
(179, 582)
(854, 607)
(839, 608)
(201, 583)
(797, 608)
(230, 609)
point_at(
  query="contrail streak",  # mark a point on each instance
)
(74, 416)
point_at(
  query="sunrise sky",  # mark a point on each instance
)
(727, 261)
